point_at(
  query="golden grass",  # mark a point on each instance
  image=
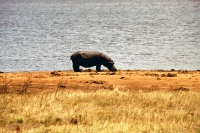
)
(101, 111)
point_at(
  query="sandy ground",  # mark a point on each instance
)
(126, 80)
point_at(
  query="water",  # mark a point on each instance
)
(37, 35)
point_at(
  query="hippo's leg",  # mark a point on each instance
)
(98, 68)
(76, 68)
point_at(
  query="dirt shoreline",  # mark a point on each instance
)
(89, 80)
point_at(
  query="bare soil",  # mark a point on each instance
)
(89, 80)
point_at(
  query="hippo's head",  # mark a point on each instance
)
(110, 65)
(108, 62)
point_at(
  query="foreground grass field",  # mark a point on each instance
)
(101, 111)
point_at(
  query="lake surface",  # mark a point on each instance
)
(37, 35)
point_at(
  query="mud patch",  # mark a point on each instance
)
(54, 73)
(181, 89)
(152, 74)
(108, 87)
(95, 82)
(169, 75)
(123, 77)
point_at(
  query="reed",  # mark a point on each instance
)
(102, 111)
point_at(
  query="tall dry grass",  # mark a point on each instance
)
(103, 111)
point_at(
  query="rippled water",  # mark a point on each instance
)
(38, 35)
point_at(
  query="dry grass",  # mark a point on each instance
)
(101, 111)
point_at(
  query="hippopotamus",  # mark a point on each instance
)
(91, 58)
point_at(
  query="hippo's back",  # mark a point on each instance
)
(87, 58)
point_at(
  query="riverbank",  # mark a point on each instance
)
(125, 80)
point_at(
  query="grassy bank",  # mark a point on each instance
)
(101, 111)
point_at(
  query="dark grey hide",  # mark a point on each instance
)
(91, 58)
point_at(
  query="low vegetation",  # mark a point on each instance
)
(101, 111)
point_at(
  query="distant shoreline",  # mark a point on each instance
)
(93, 70)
